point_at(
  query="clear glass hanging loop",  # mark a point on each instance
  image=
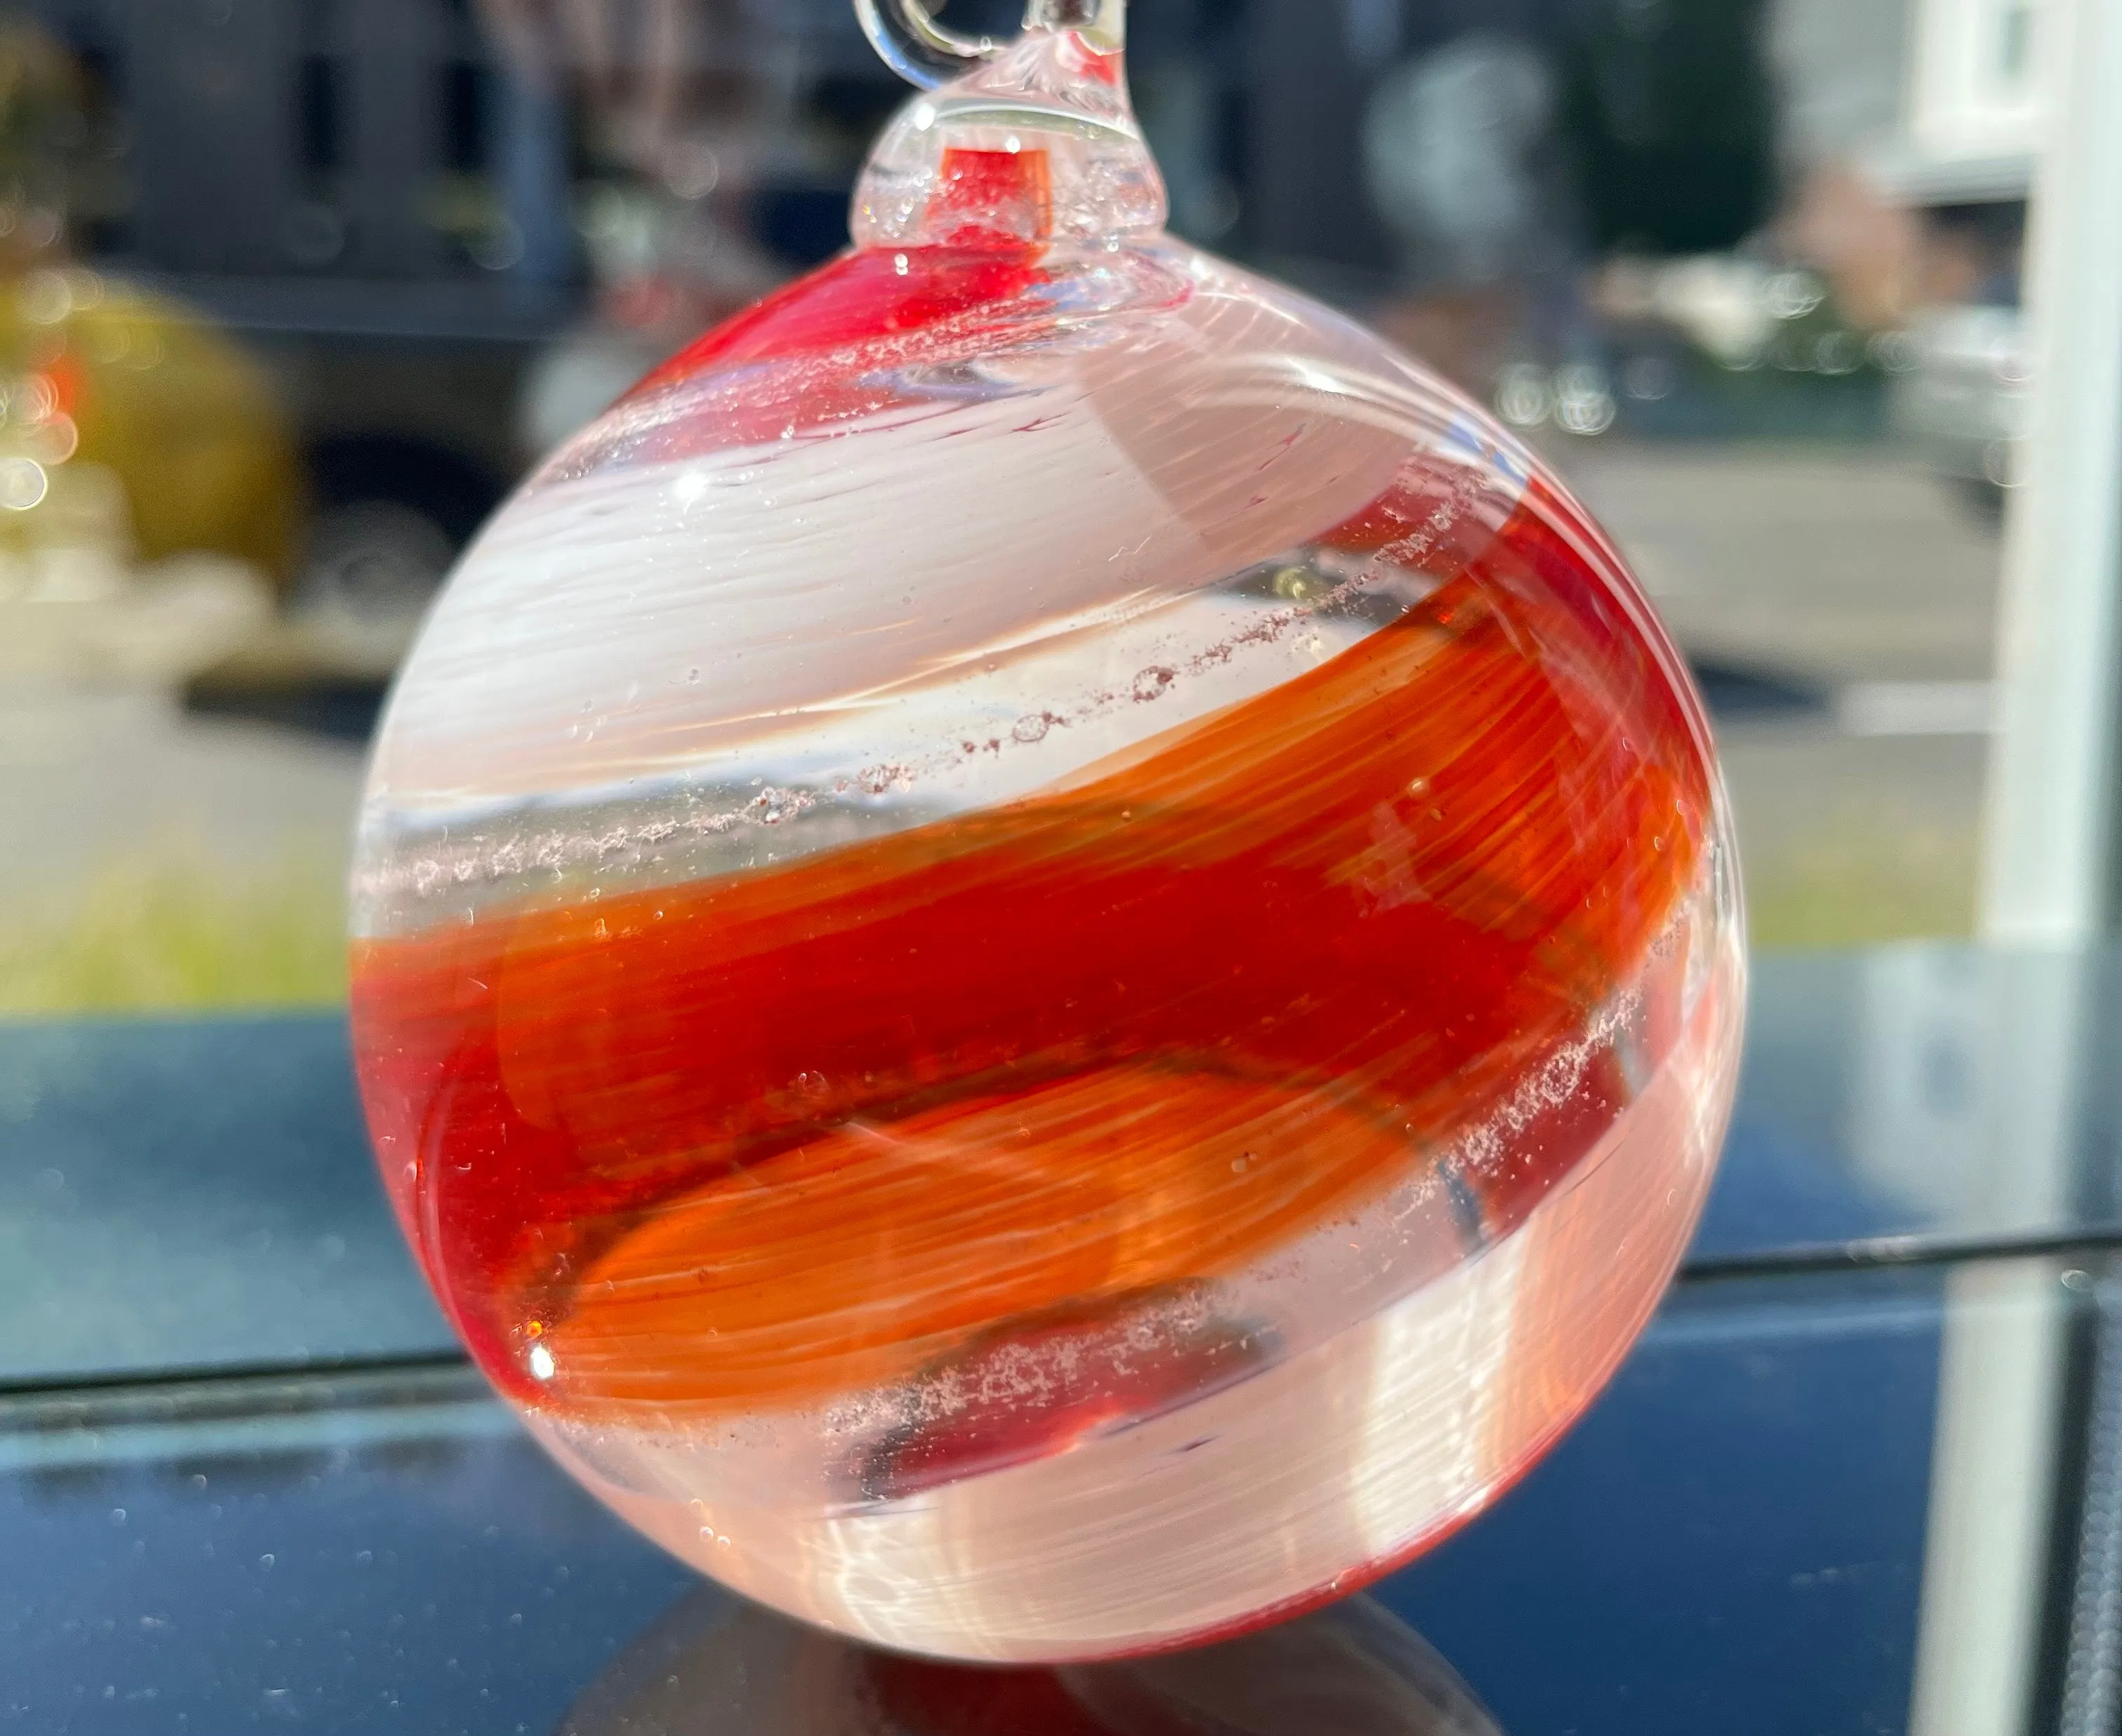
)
(914, 46)
(927, 53)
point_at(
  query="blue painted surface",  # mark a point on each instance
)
(193, 1194)
(433, 1586)
(1732, 1540)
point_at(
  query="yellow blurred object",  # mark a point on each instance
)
(130, 428)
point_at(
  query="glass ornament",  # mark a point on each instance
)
(1047, 953)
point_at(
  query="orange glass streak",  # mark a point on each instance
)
(753, 1141)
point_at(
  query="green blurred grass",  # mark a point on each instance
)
(1863, 884)
(171, 929)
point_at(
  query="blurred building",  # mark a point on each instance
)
(1974, 110)
(369, 197)
(376, 198)
(1912, 132)
(1913, 128)
(331, 183)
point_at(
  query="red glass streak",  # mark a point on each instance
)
(861, 298)
(1002, 203)
(993, 198)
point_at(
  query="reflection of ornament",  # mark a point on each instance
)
(1047, 955)
(713, 1667)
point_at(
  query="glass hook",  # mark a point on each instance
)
(927, 53)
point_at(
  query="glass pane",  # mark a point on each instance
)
(1717, 1546)
(294, 293)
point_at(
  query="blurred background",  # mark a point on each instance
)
(292, 291)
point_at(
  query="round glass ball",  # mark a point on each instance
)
(1047, 953)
